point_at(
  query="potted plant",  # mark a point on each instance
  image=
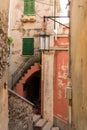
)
(10, 40)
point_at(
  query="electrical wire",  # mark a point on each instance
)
(44, 3)
(39, 15)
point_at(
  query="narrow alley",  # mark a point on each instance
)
(43, 65)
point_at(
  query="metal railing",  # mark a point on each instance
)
(17, 75)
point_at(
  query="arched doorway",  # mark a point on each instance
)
(32, 87)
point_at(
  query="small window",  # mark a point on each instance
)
(28, 46)
(29, 7)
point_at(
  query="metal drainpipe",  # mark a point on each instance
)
(69, 75)
(54, 12)
(54, 16)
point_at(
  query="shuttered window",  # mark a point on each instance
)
(28, 46)
(29, 7)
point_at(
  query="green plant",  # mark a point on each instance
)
(10, 40)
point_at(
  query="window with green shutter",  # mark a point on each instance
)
(29, 7)
(28, 46)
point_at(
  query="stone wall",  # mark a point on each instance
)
(20, 113)
(3, 42)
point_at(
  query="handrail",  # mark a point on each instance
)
(22, 98)
(16, 76)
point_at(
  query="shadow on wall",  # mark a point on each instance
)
(33, 88)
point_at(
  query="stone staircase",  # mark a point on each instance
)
(18, 88)
(42, 124)
(22, 69)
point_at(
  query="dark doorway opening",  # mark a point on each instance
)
(33, 91)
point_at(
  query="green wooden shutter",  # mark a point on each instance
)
(29, 7)
(28, 46)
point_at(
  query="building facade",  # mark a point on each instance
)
(24, 26)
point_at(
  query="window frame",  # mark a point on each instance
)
(27, 46)
(29, 7)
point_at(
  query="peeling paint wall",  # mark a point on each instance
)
(19, 29)
(48, 74)
(3, 65)
(79, 63)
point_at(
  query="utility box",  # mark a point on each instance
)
(68, 92)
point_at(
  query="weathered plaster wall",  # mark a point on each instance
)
(3, 65)
(20, 113)
(79, 63)
(47, 75)
(18, 29)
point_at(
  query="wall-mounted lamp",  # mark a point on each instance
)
(44, 42)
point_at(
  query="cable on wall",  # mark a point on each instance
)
(44, 3)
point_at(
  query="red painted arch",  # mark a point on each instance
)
(19, 86)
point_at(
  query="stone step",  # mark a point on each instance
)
(47, 126)
(36, 118)
(40, 124)
(55, 128)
